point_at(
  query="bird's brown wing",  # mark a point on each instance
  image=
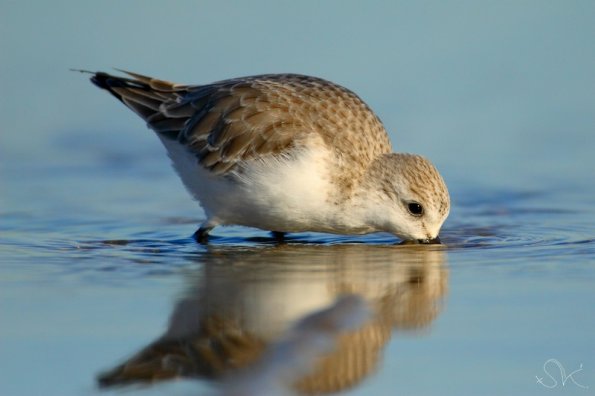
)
(234, 120)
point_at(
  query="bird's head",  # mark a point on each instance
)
(406, 196)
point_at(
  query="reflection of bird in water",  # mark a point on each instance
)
(290, 358)
(287, 153)
(245, 300)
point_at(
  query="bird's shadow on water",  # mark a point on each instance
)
(305, 317)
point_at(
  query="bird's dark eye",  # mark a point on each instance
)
(415, 209)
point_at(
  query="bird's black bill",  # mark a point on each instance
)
(435, 241)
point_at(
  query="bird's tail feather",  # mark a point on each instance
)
(148, 97)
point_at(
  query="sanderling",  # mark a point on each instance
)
(287, 153)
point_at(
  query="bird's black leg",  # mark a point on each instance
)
(278, 235)
(202, 235)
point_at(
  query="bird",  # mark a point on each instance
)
(286, 153)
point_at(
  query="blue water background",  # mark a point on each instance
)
(95, 226)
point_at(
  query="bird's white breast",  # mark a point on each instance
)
(284, 193)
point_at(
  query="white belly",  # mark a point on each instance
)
(275, 194)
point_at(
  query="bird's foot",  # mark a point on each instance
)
(202, 235)
(279, 236)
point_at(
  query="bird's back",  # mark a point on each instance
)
(231, 121)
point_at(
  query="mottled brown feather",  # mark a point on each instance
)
(231, 121)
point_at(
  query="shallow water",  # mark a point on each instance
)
(511, 288)
(98, 266)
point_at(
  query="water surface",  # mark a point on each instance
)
(98, 267)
